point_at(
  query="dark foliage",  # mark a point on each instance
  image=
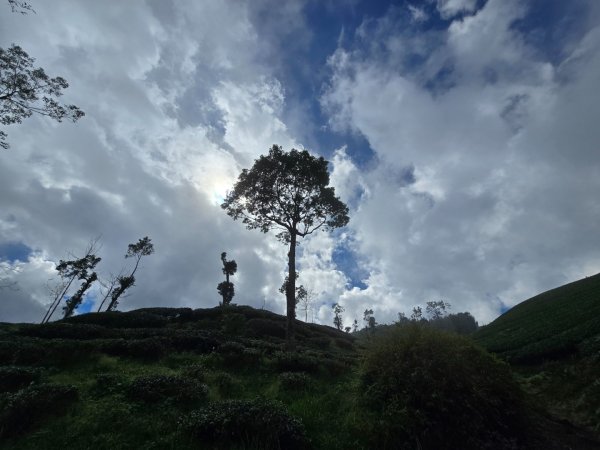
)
(293, 381)
(261, 328)
(26, 408)
(116, 319)
(256, 424)
(25, 89)
(13, 378)
(156, 388)
(150, 349)
(296, 362)
(434, 390)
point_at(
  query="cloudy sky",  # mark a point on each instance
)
(463, 134)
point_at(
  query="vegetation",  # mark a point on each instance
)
(222, 378)
(288, 192)
(26, 89)
(553, 341)
(226, 288)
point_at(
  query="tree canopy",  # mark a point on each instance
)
(287, 192)
(25, 90)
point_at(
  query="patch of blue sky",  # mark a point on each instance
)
(14, 251)
(346, 261)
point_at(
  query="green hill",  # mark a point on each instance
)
(552, 341)
(221, 378)
(552, 325)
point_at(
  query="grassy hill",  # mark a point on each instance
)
(177, 378)
(552, 341)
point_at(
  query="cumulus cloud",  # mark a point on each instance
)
(503, 195)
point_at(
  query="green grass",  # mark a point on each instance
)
(554, 324)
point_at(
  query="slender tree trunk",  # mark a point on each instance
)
(57, 301)
(291, 293)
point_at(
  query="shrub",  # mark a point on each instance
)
(62, 330)
(295, 362)
(266, 327)
(156, 388)
(195, 371)
(293, 381)
(255, 423)
(117, 319)
(146, 349)
(234, 324)
(344, 344)
(434, 390)
(319, 342)
(13, 378)
(107, 383)
(225, 383)
(24, 409)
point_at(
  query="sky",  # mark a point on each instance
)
(462, 134)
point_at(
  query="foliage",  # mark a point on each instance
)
(293, 381)
(13, 378)
(156, 388)
(258, 423)
(25, 408)
(25, 89)
(143, 247)
(337, 319)
(266, 328)
(68, 271)
(437, 309)
(226, 288)
(425, 385)
(369, 319)
(547, 326)
(288, 192)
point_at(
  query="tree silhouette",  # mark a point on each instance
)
(337, 320)
(25, 90)
(226, 288)
(142, 248)
(287, 192)
(69, 271)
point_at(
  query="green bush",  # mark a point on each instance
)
(225, 383)
(319, 342)
(62, 330)
(117, 319)
(344, 344)
(293, 381)
(266, 328)
(149, 349)
(295, 362)
(107, 383)
(156, 388)
(195, 371)
(259, 424)
(432, 390)
(13, 378)
(24, 409)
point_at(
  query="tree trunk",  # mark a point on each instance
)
(291, 293)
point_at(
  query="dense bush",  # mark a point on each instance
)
(225, 383)
(195, 371)
(62, 330)
(266, 328)
(260, 424)
(13, 378)
(117, 319)
(321, 342)
(293, 381)
(234, 324)
(433, 390)
(23, 409)
(146, 349)
(155, 388)
(295, 362)
(107, 383)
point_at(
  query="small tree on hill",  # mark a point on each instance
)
(69, 271)
(437, 310)
(369, 319)
(142, 248)
(288, 192)
(337, 319)
(226, 288)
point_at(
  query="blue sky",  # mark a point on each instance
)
(461, 133)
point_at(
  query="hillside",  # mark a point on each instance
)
(161, 378)
(552, 341)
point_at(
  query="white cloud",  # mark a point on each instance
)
(504, 166)
(450, 8)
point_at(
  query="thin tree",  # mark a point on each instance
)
(25, 90)
(288, 192)
(305, 301)
(142, 248)
(337, 319)
(226, 288)
(69, 271)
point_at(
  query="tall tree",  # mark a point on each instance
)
(69, 271)
(288, 192)
(143, 247)
(226, 288)
(25, 90)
